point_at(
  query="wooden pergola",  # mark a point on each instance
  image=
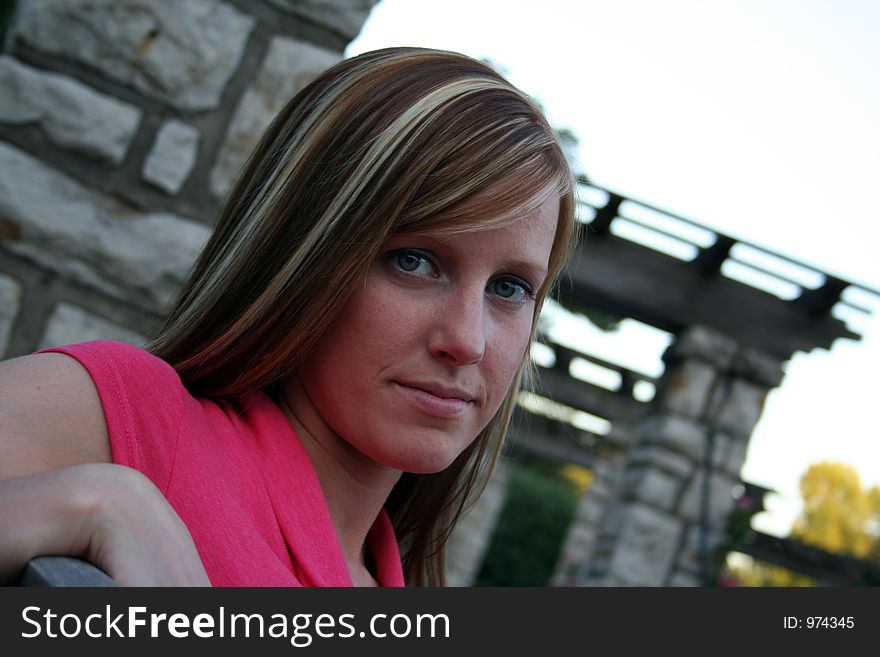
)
(685, 284)
(617, 274)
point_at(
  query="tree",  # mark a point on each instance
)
(839, 515)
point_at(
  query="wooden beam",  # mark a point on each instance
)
(631, 280)
(710, 260)
(820, 301)
(827, 568)
(605, 215)
(584, 396)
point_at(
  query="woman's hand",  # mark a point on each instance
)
(109, 515)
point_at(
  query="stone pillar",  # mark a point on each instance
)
(671, 507)
(122, 125)
(581, 536)
(472, 535)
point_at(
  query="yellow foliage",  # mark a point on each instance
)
(751, 572)
(839, 516)
(578, 476)
(874, 501)
(838, 512)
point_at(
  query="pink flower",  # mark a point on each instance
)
(727, 580)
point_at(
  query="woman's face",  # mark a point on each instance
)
(424, 351)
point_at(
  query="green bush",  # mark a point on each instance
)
(533, 522)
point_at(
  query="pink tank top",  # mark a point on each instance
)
(234, 471)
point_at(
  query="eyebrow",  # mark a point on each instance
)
(526, 264)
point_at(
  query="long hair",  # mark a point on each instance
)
(392, 141)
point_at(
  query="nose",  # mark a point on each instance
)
(458, 336)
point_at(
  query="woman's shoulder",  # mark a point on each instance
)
(142, 399)
(127, 376)
(50, 415)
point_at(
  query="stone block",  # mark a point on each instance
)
(760, 367)
(682, 466)
(566, 571)
(345, 17)
(182, 52)
(672, 464)
(686, 387)
(703, 344)
(140, 258)
(740, 412)
(733, 455)
(172, 157)
(678, 434)
(582, 535)
(289, 66)
(653, 487)
(471, 537)
(646, 548)
(69, 324)
(684, 579)
(588, 510)
(69, 113)
(690, 554)
(721, 498)
(578, 541)
(575, 550)
(10, 301)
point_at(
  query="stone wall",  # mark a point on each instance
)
(122, 125)
(587, 520)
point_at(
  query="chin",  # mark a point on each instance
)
(425, 461)
(414, 448)
(426, 465)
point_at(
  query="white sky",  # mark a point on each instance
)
(758, 118)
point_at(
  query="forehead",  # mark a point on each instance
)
(527, 238)
(535, 230)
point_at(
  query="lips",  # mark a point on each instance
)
(435, 399)
(439, 390)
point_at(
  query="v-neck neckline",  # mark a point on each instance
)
(303, 515)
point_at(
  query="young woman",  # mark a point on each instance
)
(334, 383)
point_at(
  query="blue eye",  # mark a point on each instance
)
(413, 262)
(511, 289)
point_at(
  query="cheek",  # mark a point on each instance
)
(367, 335)
(507, 350)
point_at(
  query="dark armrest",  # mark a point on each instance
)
(63, 571)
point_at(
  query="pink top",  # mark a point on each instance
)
(234, 471)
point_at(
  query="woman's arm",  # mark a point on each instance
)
(59, 493)
(109, 515)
